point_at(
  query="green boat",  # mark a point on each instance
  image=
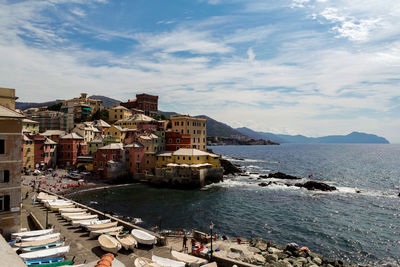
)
(61, 263)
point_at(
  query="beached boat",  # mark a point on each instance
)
(189, 259)
(111, 231)
(31, 233)
(145, 262)
(69, 214)
(61, 263)
(42, 237)
(167, 262)
(43, 196)
(46, 253)
(71, 210)
(36, 242)
(84, 224)
(43, 261)
(78, 222)
(56, 208)
(40, 247)
(54, 202)
(127, 241)
(143, 237)
(109, 243)
(81, 217)
(101, 226)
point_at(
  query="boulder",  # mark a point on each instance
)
(263, 184)
(282, 264)
(254, 250)
(281, 175)
(258, 259)
(229, 168)
(271, 258)
(314, 185)
(317, 260)
(282, 255)
(274, 250)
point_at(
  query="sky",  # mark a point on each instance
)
(311, 67)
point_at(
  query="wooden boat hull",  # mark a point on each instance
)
(56, 208)
(43, 254)
(111, 230)
(43, 261)
(109, 243)
(145, 262)
(31, 233)
(127, 241)
(80, 218)
(42, 237)
(36, 243)
(78, 222)
(71, 210)
(101, 226)
(85, 224)
(144, 237)
(40, 247)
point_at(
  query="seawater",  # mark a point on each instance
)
(360, 227)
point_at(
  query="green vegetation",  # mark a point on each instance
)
(100, 115)
(55, 107)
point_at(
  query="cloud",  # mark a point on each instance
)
(78, 12)
(250, 54)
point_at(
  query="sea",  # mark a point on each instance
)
(358, 223)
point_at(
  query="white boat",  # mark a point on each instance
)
(71, 210)
(145, 262)
(25, 244)
(143, 237)
(81, 217)
(43, 196)
(127, 241)
(189, 259)
(46, 253)
(87, 223)
(41, 237)
(31, 233)
(101, 226)
(111, 231)
(167, 262)
(73, 214)
(56, 207)
(78, 222)
(109, 243)
(41, 247)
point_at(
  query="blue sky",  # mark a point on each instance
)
(312, 67)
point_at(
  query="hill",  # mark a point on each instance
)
(107, 101)
(260, 135)
(216, 128)
(26, 105)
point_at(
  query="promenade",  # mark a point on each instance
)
(81, 245)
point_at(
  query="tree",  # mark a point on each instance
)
(100, 115)
(164, 117)
(55, 107)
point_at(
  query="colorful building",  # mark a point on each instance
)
(70, 147)
(45, 151)
(10, 167)
(196, 127)
(81, 107)
(87, 131)
(54, 135)
(145, 102)
(115, 134)
(188, 157)
(101, 125)
(109, 162)
(51, 120)
(118, 113)
(28, 153)
(30, 126)
(7, 98)
(175, 141)
(138, 121)
(136, 158)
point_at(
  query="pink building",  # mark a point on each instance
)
(109, 161)
(70, 147)
(45, 151)
(136, 158)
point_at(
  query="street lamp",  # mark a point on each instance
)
(211, 230)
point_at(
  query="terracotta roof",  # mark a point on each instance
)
(113, 146)
(192, 152)
(101, 123)
(9, 113)
(50, 142)
(135, 144)
(120, 107)
(53, 132)
(72, 136)
(26, 138)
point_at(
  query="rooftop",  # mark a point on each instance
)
(112, 146)
(120, 107)
(53, 132)
(9, 113)
(29, 121)
(192, 152)
(72, 136)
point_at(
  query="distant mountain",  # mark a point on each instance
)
(26, 105)
(107, 101)
(216, 128)
(352, 138)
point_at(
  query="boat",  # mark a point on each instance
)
(84, 224)
(42, 237)
(189, 259)
(43, 196)
(109, 243)
(40, 247)
(167, 262)
(71, 210)
(127, 241)
(111, 231)
(143, 237)
(46, 253)
(36, 242)
(81, 217)
(145, 262)
(78, 222)
(43, 261)
(31, 233)
(61, 263)
(56, 208)
(101, 226)
(70, 214)
(55, 202)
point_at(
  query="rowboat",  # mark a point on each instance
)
(31, 233)
(36, 243)
(71, 210)
(46, 246)
(46, 253)
(101, 226)
(109, 243)
(143, 237)
(84, 224)
(145, 262)
(78, 222)
(126, 240)
(167, 262)
(56, 208)
(42, 237)
(191, 260)
(111, 231)
(43, 261)
(61, 263)
(43, 196)
(81, 217)
(54, 202)
(72, 214)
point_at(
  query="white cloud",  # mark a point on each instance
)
(250, 54)
(78, 12)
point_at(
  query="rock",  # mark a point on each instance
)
(233, 255)
(262, 184)
(282, 255)
(317, 260)
(258, 259)
(271, 258)
(259, 243)
(274, 250)
(282, 264)
(229, 168)
(301, 260)
(281, 175)
(254, 250)
(314, 185)
(312, 265)
(263, 176)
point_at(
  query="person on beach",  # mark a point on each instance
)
(33, 199)
(184, 245)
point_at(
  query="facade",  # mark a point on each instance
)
(45, 151)
(175, 141)
(196, 127)
(144, 102)
(109, 162)
(30, 126)
(10, 170)
(135, 158)
(115, 134)
(101, 125)
(28, 153)
(188, 157)
(69, 148)
(95, 144)
(149, 153)
(87, 131)
(81, 107)
(7, 98)
(51, 120)
(119, 113)
(54, 134)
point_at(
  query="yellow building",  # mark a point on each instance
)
(116, 133)
(94, 104)
(119, 113)
(7, 97)
(133, 121)
(30, 126)
(28, 161)
(196, 127)
(188, 157)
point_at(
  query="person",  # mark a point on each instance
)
(33, 199)
(239, 240)
(224, 237)
(184, 246)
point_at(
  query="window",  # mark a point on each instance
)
(178, 140)
(169, 140)
(181, 131)
(101, 164)
(183, 158)
(5, 203)
(106, 156)
(4, 176)
(194, 140)
(138, 157)
(190, 158)
(181, 123)
(29, 149)
(69, 146)
(148, 162)
(95, 163)
(198, 158)
(194, 131)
